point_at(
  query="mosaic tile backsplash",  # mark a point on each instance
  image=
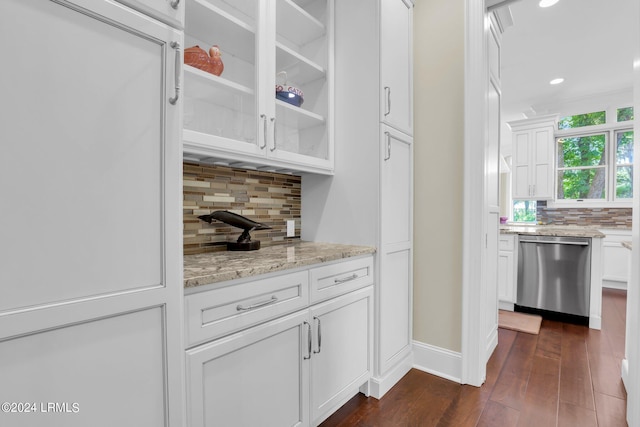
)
(598, 217)
(266, 197)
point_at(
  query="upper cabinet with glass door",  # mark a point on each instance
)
(235, 117)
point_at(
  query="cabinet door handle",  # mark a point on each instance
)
(387, 94)
(308, 341)
(354, 276)
(273, 300)
(319, 335)
(264, 130)
(176, 46)
(388, 140)
(175, 3)
(273, 123)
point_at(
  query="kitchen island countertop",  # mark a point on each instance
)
(213, 267)
(551, 230)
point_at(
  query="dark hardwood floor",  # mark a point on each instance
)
(568, 375)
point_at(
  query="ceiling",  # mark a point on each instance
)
(590, 43)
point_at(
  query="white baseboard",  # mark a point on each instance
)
(503, 305)
(492, 343)
(438, 361)
(595, 322)
(614, 284)
(625, 374)
(380, 385)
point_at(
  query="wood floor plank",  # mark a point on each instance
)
(572, 416)
(495, 415)
(424, 401)
(610, 411)
(575, 378)
(597, 343)
(496, 362)
(613, 320)
(550, 340)
(605, 375)
(351, 412)
(511, 385)
(541, 399)
(527, 385)
(465, 409)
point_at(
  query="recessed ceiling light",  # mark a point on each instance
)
(556, 81)
(547, 3)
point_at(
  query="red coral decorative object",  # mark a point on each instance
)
(209, 62)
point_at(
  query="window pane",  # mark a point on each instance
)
(581, 151)
(582, 183)
(624, 147)
(524, 210)
(625, 114)
(624, 182)
(579, 120)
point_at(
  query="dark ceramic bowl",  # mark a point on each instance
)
(290, 94)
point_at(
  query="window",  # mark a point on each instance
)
(624, 114)
(580, 120)
(595, 165)
(624, 164)
(582, 167)
(524, 210)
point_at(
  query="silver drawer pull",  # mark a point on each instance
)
(319, 335)
(354, 276)
(308, 356)
(273, 300)
(176, 46)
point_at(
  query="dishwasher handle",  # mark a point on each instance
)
(556, 242)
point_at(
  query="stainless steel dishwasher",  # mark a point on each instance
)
(554, 274)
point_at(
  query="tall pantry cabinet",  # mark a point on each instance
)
(369, 201)
(90, 230)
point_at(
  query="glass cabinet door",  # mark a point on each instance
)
(220, 105)
(271, 103)
(302, 40)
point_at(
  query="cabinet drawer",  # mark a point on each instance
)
(219, 312)
(170, 12)
(506, 242)
(336, 279)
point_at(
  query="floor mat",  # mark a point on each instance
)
(521, 322)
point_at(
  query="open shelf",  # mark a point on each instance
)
(213, 25)
(296, 117)
(206, 86)
(296, 24)
(299, 69)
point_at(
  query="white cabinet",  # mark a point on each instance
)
(258, 377)
(396, 64)
(341, 355)
(533, 158)
(615, 258)
(507, 270)
(211, 315)
(369, 199)
(294, 369)
(91, 310)
(396, 193)
(235, 117)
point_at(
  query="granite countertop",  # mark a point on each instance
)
(204, 269)
(627, 244)
(551, 230)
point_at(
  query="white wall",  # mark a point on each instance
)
(439, 29)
